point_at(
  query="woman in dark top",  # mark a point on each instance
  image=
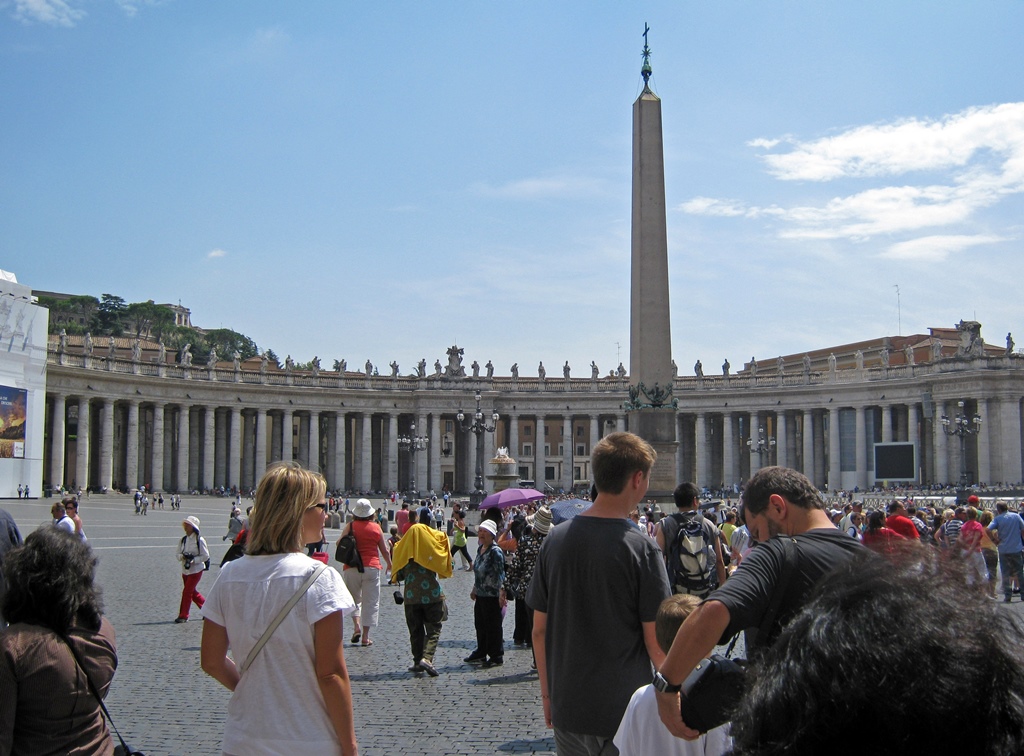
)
(46, 705)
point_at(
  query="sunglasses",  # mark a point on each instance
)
(322, 506)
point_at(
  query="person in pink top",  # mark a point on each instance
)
(364, 585)
(970, 541)
(402, 519)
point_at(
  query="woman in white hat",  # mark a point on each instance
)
(365, 585)
(193, 553)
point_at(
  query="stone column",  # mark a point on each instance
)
(261, 445)
(939, 443)
(434, 453)
(314, 441)
(700, 448)
(567, 452)
(782, 438)
(914, 436)
(287, 427)
(984, 448)
(235, 447)
(835, 459)
(860, 449)
(886, 410)
(391, 474)
(247, 474)
(340, 447)
(131, 455)
(106, 441)
(1010, 445)
(365, 456)
(181, 483)
(808, 444)
(220, 467)
(513, 436)
(423, 483)
(756, 424)
(595, 434)
(209, 438)
(729, 472)
(539, 458)
(304, 433)
(82, 457)
(57, 434)
(157, 466)
(620, 422)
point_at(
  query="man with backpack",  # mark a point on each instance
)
(692, 546)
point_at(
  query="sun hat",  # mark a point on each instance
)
(193, 521)
(489, 526)
(363, 508)
(542, 520)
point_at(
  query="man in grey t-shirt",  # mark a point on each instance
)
(595, 594)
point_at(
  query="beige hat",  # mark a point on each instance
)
(193, 521)
(363, 508)
(542, 520)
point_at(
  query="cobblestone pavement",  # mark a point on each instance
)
(163, 703)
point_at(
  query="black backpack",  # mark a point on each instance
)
(347, 552)
(690, 554)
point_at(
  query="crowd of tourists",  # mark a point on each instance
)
(623, 606)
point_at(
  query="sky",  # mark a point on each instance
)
(383, 180)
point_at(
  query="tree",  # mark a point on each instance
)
(226, 342)
(110, 313)
(148, 320)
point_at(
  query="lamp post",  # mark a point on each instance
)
(412, 444)
(479, 427)
(961, 426)
(763, 444)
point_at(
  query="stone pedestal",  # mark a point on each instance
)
(657, 427)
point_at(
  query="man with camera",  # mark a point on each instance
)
(798, 544)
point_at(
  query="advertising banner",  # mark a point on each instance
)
(12, 422)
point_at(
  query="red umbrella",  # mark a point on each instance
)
(510, 497)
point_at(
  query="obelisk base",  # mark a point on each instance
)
(658, 428)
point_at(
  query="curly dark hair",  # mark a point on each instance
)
(50, 582)
(903, 644)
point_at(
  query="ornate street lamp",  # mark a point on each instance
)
(479, 427)
(763, 444)
(412, 444)
(961, 426)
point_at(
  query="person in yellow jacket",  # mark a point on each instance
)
(421, 557)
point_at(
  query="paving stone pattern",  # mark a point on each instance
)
(163, 703)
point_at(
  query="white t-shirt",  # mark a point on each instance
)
(641, 732)
(277, 707)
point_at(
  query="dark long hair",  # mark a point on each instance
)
(50, 582)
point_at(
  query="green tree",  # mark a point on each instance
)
(109, 317)
(148, 320)
(226, 342)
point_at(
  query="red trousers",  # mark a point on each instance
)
(190, 594)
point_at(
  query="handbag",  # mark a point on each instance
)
(122, 748)
(280, 618)
(347, 552)
(712, 690)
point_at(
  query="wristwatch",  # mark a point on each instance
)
(664, 686)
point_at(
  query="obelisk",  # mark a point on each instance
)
(651, 404)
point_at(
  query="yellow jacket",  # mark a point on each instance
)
(425, 546)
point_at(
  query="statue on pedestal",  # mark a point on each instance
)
(437, 368)
(621, 371)
(62, 341)
(87, 346)
(698, 369)
(541, 372)
(315, 365)
(289, 364)
(490, 369)
(476, 369)
(368, 368)
(111, 348)
(263, 363)
(594, 372)
(859, 359)
(185, 358)
(831, 363)
(1009, 344)
(807, 363)
(162, 351)
(394, 368)
(885, 357)
(936, 350)
(515, 371)
(421, 369)
(211, 359)
(136, 350)
(565, 370)
(908, 354)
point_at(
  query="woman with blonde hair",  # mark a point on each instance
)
(294, 695)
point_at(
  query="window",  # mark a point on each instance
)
(577, 473)
(579, 431)
(449, 426)
(527, 450)
(545, 430)
(549, 473)
(527, 431)
(547, 450)
(581, 450)
(561, 450)
(524, 473)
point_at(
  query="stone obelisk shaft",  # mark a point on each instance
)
(650, 343)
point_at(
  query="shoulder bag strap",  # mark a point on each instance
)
(96, 694)
(280, 618)
(790, 562)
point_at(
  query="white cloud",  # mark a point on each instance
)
(935, 248)
(53, 12)
(213, 254)
(972, 160)
(558, 187)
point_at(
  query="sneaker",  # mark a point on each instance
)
(416, 667)
(493, 663)
(475, 659)
(179, 620)
(429, 668)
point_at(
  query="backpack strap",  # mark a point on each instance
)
(790, 563)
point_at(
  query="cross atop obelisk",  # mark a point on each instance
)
(651, 402)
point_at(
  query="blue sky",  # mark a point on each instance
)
(381, 180)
